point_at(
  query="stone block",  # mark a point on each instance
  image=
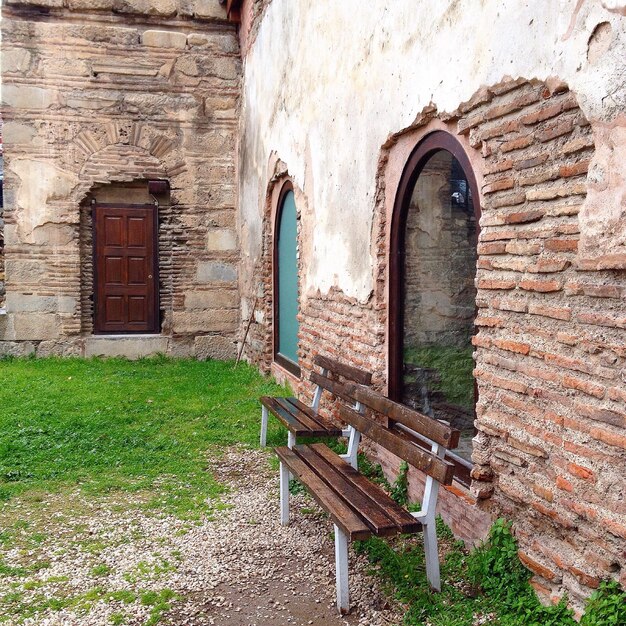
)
(207, 9)
(54, 234)
(29, 303)
(221, 239)
(101, 5)
(21, 271)
(163, 8)
(196, 39)
(216, 272)
(15, 133)
(59, 348)
(214, 320)
(213, 299)
(16, 348)
(128, 347)
(51, 4)
(164, 39)
(36, 326)
(181, 347)
(28, 97)
(215, 347)
(16, 60)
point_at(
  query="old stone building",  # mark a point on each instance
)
(107, 105)
(434, 191)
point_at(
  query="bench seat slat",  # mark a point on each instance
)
(301, 428)
(342, 515)
(285, 417)
(401, 518)
(299, 409)
(374, 515)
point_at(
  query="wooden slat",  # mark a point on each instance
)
(290, 422)
(402, 519)
(339, 511)
(300, 416)
(439, 469)
(299, 409)
(337, 389)
(347, 371)
(373, 515)
(435, 430)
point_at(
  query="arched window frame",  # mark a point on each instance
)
(425, 148)
(287, 364)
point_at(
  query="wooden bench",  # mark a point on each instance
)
(358, 508)
(304, 422)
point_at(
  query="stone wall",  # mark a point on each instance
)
(117, 94)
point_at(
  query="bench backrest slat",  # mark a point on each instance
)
(441, 470)
(430, 428)
(335, 387)
(348, 372)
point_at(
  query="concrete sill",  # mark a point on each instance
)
(129, 336)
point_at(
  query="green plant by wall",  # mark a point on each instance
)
(400, 487)
(606, 606)
(488, 585)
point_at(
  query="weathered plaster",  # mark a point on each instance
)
(324, 90)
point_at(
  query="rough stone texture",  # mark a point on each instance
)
(97, 103)
(214, 347)
(129, 347)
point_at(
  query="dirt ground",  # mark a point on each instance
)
(115, 564)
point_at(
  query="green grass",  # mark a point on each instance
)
(488, 585)
(115, 425)
(455, 365)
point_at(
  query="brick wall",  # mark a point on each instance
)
(550, 351)
(550, 355)
(121, 94)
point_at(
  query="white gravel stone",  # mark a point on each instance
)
(238, 567)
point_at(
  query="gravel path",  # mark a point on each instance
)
(114, 565)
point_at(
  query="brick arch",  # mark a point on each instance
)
(262, 334)
(118, 163)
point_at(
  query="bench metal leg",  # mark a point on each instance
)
(291, 442)
(341, 566)
(432, 555)
(263, 427)
(353, 448)
(284, 495)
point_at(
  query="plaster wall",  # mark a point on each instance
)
(325, 84)
(339, 96)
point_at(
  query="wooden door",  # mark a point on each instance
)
(125, 269)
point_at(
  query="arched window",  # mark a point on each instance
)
(286, 323)
(432, 294)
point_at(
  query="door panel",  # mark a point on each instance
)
(126, 284)
(114, 270)
(287, 258)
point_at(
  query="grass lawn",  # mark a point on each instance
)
(114, 425)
